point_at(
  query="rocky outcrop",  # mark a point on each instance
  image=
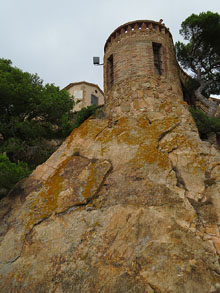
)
(126, 204)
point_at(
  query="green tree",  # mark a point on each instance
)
(201, 55)
(30, 114)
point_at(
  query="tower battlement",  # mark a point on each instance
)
(134, 27)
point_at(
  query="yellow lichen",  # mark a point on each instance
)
(143, 122)
(90, 183)
(45, 202)
(92, 177)
(84, 257)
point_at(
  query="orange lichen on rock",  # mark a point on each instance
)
(92, 177)
(45, 203)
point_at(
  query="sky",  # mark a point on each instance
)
(57, 39)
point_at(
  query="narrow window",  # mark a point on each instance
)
(94, 100)
(110, 72)
(157, 58)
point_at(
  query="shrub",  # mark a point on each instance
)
(205, 124)
(11, 173)
(84, 114)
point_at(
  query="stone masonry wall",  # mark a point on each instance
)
(135, 77)
(149, 95)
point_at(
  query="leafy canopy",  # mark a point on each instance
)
(25, 102)
(200, 54)
(30, 114)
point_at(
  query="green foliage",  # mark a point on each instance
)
(84, 114)
(202, 28)
(201, 53)
(66, 125)
(31, 114)
(11, 173)
(191, 85)
(26, 103)
(205, 124)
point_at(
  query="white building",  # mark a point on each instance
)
(86, 94)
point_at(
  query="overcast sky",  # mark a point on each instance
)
(58, 38)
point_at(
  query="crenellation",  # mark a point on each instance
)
(129, 28)
(157, 28)
(143, 26)
(150, 26)
(137, 26)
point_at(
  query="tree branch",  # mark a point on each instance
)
(211, 105)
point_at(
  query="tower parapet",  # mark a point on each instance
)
(139, 58)
(141, 25)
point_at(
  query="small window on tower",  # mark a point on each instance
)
(157, 58)
(110, 70)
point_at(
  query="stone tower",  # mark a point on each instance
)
(139, 63)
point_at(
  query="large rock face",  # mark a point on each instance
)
(126, 204)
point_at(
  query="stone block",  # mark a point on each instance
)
(212, 230)
(216, 242)
(140, 93)
(134, 95)
(125, 107)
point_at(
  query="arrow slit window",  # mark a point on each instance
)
(157, 48)
(110, 69)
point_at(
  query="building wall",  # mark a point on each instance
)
(86, 91)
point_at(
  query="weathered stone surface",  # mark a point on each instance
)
(122, 206)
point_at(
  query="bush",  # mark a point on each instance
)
(84, 114)
(11, 173)
(205, 124)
